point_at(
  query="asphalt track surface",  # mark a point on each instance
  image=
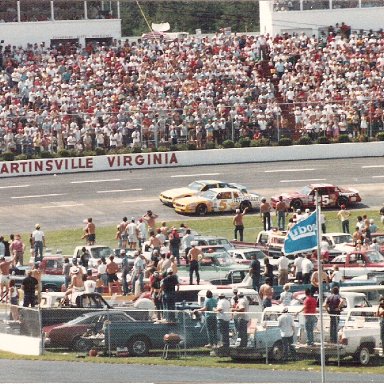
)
(64, 201)
(19, 371)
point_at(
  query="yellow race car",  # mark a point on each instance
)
(217, 200)
(168, 197)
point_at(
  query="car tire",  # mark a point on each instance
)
(363, 355)
(245, 204)
(342, 201)
(80, 345)
(201, 210)
(138, 346)
(297, 204)
(277, 352)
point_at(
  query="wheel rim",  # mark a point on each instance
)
(201, 210)
(139, 347)
(80, 345)
(364, 356)
(277, 352)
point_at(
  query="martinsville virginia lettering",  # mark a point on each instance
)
(62, 165)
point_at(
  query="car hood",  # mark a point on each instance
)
(178, 192)
(190, 200)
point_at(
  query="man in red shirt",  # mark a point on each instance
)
(309, 309)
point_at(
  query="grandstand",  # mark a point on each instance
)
(59, 21)
(315, 16)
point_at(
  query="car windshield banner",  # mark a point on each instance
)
(302, 236)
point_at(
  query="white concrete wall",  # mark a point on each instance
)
(289, 21)
(43, 31)
(21, 344)
(190, 158)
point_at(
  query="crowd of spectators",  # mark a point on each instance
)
(200, 89)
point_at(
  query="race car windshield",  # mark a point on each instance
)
(209, 194)
(195, 186)
(306, 190)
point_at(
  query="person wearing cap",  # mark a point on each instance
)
(281, 213)
(223, 310)
(208, 308)
(238, 223)
(38, 240)
(194, 256)
(242, 317)
(344, 216)
(138, 273)
(287, 330)
(168, 288)
(133, 234)
(265, 213)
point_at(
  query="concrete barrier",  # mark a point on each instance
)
(189, 158)
(22, 345)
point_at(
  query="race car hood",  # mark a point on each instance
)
(190, 200)
(179, 192)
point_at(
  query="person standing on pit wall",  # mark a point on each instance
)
(238, 223)
(38, 239)
(344, 216)
(265, 213)
(281, 213)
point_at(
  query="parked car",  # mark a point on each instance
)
(358, 263)
(168, 197)
(213, 241)
(331, 196)
(216, 200)
(96, 252)
(244, 255)
(69, 335)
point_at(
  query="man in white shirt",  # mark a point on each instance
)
(186, 243)
(242, 316)
(89, 284)
(223, 310)
(283, 265)
(287, 330)
(298, 272)
(307, 267)
(38, 243)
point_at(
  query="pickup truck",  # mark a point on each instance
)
(358, 338)
(142, 336)
(357, 263)
(264, 337)
(96, 252)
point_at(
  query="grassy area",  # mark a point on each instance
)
(206, 361)
(67, 239)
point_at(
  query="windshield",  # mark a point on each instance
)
(208, 195)
(195, 186)
(306, 190)
(259, 255)
(375, 257)
(102, 252)
(223, 259)
(343, 239)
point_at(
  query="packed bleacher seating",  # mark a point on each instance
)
(200, 90)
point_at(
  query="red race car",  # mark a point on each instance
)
(331, 196)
